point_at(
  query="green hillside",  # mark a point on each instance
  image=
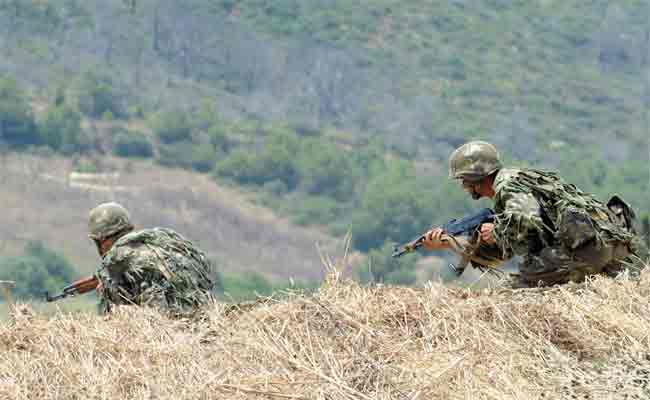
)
(337, 113)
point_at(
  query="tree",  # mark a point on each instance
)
(325, 169)
(17, 125)
(274, 161)
(172, 126)
(38, 270)
(61, 130)
(132, 144)
(98, 94)
(393, 207)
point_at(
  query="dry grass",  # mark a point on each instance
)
(588, 341)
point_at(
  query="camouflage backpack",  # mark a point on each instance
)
(157, 266)
(569, 215)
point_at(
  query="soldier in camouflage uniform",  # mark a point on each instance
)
(155, 267)
(562, 233)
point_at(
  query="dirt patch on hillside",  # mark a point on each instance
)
(44, 199)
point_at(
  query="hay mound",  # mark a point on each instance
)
(588, 341)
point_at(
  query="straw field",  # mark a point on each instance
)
(587, 341)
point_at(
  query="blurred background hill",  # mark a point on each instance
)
(259, 128)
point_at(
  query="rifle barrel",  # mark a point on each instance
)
(59, 296)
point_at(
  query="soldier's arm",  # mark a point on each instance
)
(519, 226)
(640, 249)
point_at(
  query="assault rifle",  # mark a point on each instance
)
(83, 285)
(465, 226)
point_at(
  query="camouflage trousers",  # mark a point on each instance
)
(557, 265)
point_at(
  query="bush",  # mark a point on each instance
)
(38, 270)
(325, 169)
(276, 187)
(236, 166)
(246, 286)
(203, 158)
(36, 16)
(132, 144)
(393, 207)
(98, 96)
(274, 162)
(172, 126)
(61, 130)
(218, 136)
(249, 285)
(381, 267)
(188, 155)
(314, 210)
(17, 126)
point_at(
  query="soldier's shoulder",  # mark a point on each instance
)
(504, 177)
(132, 244)
(523, 179)
(148, 236)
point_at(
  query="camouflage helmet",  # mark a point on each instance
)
(474, 161)
(107, 219)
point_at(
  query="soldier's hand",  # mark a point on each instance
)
(487, 233)
(99, 289)
(433, 240)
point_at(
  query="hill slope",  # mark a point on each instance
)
(424, 75)
(347, 342)
(44, 200)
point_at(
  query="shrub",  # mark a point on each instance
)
(325, 169)
(132, 144)
(17, 125)
(237, 166)
(98, 96)
(381, 267)
(315, 210)
(61, 130)
(275, 161)
(218, 136)
(172, 126)
(276, 187)
(393, 207)
(188, 155)
(246, 286)
(250, 284)
(38, 270)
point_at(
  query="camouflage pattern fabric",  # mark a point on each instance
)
(562, 233)
(155, 267)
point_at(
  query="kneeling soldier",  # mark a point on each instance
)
(155, 267)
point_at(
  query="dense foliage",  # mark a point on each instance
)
(17, 126)
(250, 285)
(38, 270)
(339, 113)
(381, 267)
(132, 144)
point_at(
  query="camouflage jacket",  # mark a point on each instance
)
(535, 209)
(156, 267)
